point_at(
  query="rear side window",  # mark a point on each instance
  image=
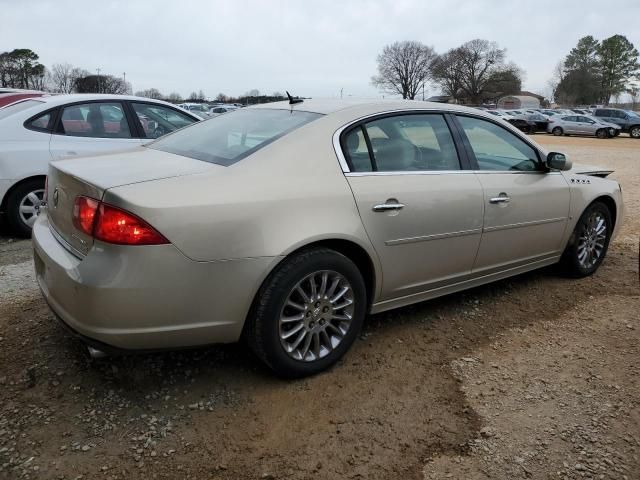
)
(420, 142)
(97, 120)
(43, 122)
(227, 139)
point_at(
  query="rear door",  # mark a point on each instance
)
(525, 208)
(420, 208)
(91, 128)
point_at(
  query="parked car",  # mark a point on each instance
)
(629, 121)
(528, 122)
(579, 125)
(199, 109)
(285, 224)
(220, 109)
(37, 130)
(501, 114)
(9, 98)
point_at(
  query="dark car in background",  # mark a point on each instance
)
(629, 121)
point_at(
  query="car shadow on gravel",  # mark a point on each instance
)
(381, 412)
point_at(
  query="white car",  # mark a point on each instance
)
(35, 131)
(199, 109)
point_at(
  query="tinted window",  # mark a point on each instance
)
(227, 139)
(618, 114)
(18, 107)
(42, 122)
(98, 120)
(357, 152)
(496, 148)
(406, 143)
(158, 120)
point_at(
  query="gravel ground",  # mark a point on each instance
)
(532, 377)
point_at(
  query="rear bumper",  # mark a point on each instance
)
(145, 298)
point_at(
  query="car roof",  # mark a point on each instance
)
(364, 106)
(55, 100)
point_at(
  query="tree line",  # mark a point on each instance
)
(20, 68)
(474, 72)
(596, 71)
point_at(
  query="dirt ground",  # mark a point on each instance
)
(533, 377)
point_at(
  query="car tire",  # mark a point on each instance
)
(298, 348)
(587, 248)
(557, 131)
(601, 133)
(634, 132)
(22, 206)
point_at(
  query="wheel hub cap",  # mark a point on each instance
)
(30, 205)
(592, 240)
(316, 315)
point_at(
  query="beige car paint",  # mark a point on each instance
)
(229, 227)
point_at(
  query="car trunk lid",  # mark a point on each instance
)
(92, 176)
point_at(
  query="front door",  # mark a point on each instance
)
(526, 208)
(422, 212)
(91, 128)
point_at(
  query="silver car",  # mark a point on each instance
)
(286, 224)
(580, 125)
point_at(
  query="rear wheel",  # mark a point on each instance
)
(635, 131)
(557, 131)
(23, 204)
(308, 313)
(589, 241)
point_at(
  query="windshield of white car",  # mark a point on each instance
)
(227, 139)
(18, 107)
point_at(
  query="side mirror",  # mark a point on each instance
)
(558, 161)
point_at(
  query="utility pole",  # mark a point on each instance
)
(341, 93)
(423, 92)
(124, 80)
(98, 70)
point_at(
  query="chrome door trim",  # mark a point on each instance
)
(386, 207)
(524, 224)
(427, 238)
(407, 172)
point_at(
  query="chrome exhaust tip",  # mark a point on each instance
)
(95, 353)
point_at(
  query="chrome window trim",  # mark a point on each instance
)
(336, 135)
(408, 172)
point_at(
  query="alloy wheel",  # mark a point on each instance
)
(316, 316)
(30, 205)
(592, 239)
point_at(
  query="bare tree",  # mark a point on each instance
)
(63, 77)
(174, 97)
(447, 73)
(150, 93)
(404, 68)
(480, 59)
(556, 79)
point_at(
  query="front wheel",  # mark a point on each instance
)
(601, 133)
(589, 242)
(557, 131)
(308, 313)
(635, 131)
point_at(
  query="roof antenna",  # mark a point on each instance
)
(293, 101)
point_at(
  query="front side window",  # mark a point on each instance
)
(98, 120)
(495, 148)
(419, 142)
(157, 120)
(227, 139)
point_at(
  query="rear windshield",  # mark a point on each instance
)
(18, 107)
(229, 138)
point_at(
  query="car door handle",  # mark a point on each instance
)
(502, 198)
(385, 207)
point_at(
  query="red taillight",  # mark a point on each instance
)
(84, 214)
(111, 224)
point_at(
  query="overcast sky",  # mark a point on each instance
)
(311, 48)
